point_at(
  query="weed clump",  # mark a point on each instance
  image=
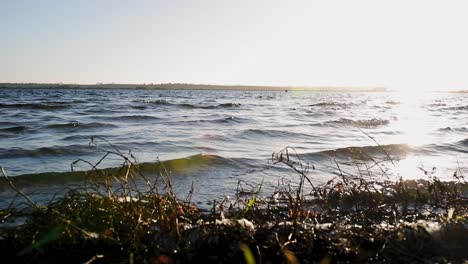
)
(122, 216)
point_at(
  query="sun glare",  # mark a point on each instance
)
(412, 121)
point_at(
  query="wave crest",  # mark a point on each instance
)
(14, 129)
(367, 152)
(331, 105)
(36, 106)
(364, 123)
(181, 165)
(71, 150)
(78, 125)
(163, 102)
(129, 118)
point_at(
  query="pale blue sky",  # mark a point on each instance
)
(400, 44)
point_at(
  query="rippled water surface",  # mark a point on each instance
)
(44, 130)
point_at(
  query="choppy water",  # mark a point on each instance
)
(44, 130)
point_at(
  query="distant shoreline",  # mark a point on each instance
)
(184, 86)
(188, 86)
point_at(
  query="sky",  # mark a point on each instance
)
(406, 45)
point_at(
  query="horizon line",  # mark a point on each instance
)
(204, 86)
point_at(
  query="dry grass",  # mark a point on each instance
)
(122, 216)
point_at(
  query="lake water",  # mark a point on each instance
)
(45, 130)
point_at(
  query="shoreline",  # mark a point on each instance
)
(213, 87)
(113, 219)
(184, 86)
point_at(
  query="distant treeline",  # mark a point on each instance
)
(186, 86)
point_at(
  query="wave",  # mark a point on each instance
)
(368, 152)
(458, 147)
(463, 142)
(189, 164)
(78, 125)
(224, 120)
(364, 123)
(456, 108)
(187, 105)
(139, 107)
(7, 124)
(70, 150)
(36, 106)
(228, 105)
(186, 164)
(252, 133)
(79, 101)
(99, 110)
(206, 149)
(453, 129)
(332, 105)
(180, 166)
(224, 105)
(190, 106)
(15, 129)
(436, 105)
(129, 118)
(82, 137)
(153, 102)
(7, 135)
(230, 119)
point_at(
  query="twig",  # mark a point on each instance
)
(373, 139)
(12, 185)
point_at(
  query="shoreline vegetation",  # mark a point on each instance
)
(188, 86)
(124, 216)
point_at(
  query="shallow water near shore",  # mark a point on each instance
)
(235, 133)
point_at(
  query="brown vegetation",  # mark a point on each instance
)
(122, 216)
